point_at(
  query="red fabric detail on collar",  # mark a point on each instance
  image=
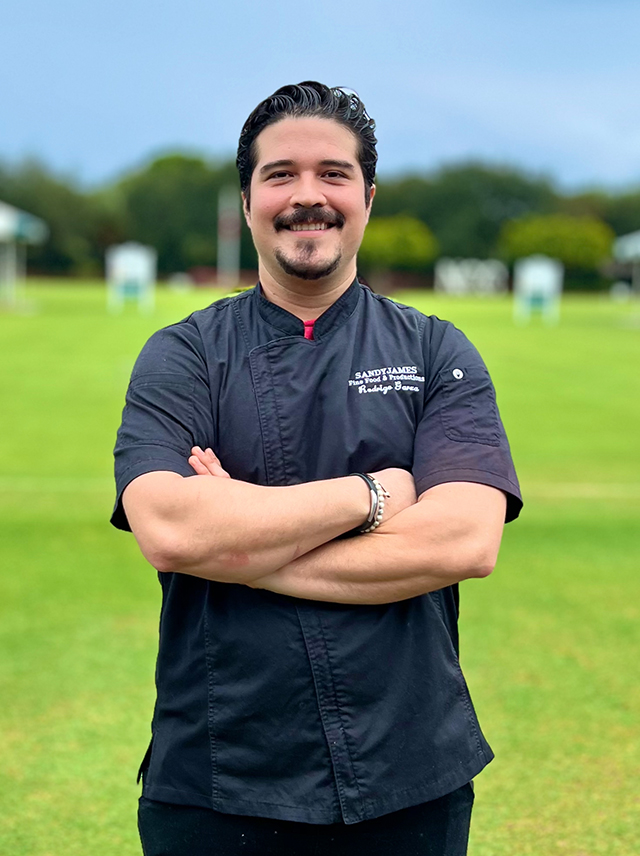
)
(308, 328)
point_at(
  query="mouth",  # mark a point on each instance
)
(309, 227)
(308, 220)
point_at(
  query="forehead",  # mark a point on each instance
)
(306, 138)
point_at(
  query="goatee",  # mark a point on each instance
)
(306, 269)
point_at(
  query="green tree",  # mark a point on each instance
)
(581, 243)
(78, 222)
(622, 212)
(397, 243)
(466, 205)
(172, 205)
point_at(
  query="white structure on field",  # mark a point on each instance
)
(17, 229)
(537, 288)
(626, 249)
(131, 276)
(470, 276)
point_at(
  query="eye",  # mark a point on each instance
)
(334, 173)
(277, 175)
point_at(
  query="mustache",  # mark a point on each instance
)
(308, 215)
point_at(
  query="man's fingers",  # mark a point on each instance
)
(210, 462)
(205, 455)
(207, 469)
(202, 463)
(214, 464)
(198, 466)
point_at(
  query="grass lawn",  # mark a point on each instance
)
(550, 642)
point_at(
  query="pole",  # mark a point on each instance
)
(228, 237)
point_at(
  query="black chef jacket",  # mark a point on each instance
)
(299, 710)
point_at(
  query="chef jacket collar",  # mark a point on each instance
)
(291, 325)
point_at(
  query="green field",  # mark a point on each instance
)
(550, 642)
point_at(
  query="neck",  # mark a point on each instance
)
(306, 299)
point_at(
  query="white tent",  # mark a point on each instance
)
(17, 229)
(131, 275)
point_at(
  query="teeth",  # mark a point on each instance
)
(309, 227)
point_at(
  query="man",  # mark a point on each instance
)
(310, 699)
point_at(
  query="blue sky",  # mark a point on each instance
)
(97, 88)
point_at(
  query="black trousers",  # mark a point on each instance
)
(437, 828)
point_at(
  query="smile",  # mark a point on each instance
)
(310, 227)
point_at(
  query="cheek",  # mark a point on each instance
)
(265, 207)
(269, 209)
(357, 219)
(354, 210)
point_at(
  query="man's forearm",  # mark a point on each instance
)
(425, 547)
(232, 531)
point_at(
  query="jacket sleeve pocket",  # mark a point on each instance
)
(468, 407)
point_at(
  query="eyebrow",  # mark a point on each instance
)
(339, 163)
(347, 165)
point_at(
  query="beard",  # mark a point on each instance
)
(303, 267)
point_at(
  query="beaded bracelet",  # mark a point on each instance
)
(376, 511)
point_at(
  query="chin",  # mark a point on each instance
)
(308, 270)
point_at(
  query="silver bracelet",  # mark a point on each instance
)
(381, 494)
(376, 511)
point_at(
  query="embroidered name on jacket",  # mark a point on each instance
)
(387, 379)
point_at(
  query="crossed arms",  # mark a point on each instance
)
(283, 538)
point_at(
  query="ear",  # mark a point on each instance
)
(246, 210)
(372, 193)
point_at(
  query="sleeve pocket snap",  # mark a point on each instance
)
(469, 411)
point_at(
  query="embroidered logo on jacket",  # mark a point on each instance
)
(387, 379)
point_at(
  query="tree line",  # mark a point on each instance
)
(469, 210)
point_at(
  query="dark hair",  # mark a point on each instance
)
(310, 98)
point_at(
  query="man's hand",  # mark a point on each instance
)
(207, 463)
(401, 488)
(398, 483)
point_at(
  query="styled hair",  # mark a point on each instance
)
(310, 98)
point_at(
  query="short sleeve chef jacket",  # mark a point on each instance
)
(274, 706)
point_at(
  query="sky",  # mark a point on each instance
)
(97, 89)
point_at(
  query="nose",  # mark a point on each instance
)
(308, 192)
